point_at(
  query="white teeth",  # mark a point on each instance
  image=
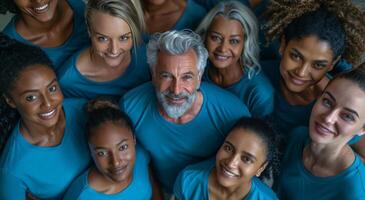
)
(222, 57)
(49, 113)
(229, 173)
(42, 8)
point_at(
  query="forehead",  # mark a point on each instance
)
(33, 78)
(248, 141)
(109, 134)
(176, 64)
(312, 48)
(225, 26)
(348, 94)
(107, 24)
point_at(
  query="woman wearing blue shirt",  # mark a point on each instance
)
(230, 32)
(248, 150)
(314, 36)
(121, 167)
(115, 62)
(57, 26)
(319, 163)
(45, 147)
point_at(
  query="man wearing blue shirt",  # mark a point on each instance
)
(178, 119)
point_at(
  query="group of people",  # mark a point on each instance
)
(181, 99)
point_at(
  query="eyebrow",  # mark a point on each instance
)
(49, 84)
(317, 61)
(348, 109)
(236, 35)
(108, 36)
(102, 148)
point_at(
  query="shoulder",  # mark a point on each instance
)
(75, 109)
(262, 190)
(77, 6)
(77, 187)
(142, 155)
(271, 69)
(138, 96)
(67, 68)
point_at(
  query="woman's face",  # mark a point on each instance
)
(111, 38)
(305, 61)
(241, 157)
(339, 113)
(37, 96)
(224, 42)
(40, 10)
(112, 147)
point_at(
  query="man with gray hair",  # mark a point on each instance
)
(178, 119)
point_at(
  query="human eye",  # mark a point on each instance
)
(102, 39)
(327, 103)
(294, 56)
(123, 147)
(187, 77)
(124, 38)
(215, 38)
(227, 148)
(52, 89)
(165, 76)
(246, 160)
(101, 153)
(234, 41)
(31, 98)
(319, 66)
(348, 117)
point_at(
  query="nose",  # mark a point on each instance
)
(223, 46)
(46, 101)
(115, 160)
(331, 116)
(113, 47)
(303, 70)
(175, 86)
(233, 161)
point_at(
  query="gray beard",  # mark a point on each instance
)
(174, 111)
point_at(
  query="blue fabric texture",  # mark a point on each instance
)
(190, 18)
(174, 146)
(139, 189)
(74, 84)
(256, 93)
(285, 116)
(296, 182)
(78, 39)
(192, 184)
(45, 172)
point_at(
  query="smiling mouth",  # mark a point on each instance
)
(41, 9)
(228, 173)
(323, 130)
(48, 115)
(119, 171)
(221, 57)
(113, 56)
(297, 81)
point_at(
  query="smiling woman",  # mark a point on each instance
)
(115, 62)
(33, 161)
(57, 26)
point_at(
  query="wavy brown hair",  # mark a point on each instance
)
(282, 13)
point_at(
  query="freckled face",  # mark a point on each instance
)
(113, 150)
(224, 42)
(339, 113)
(304, 62)
(111, 38)
(37, 96)
(241, 157)
(42, 11)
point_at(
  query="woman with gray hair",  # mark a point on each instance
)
(230, 32)
(116, 61)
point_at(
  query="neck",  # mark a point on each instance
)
(41, 27)
(226, 76)
(104, 184)
(44, 136)
(189, 114)
(217, 191)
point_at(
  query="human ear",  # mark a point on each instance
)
(262, 168)
(9, 101)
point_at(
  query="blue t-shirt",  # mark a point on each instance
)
(78, 39)
(45, 172)
(296, 182)
(257, 93)
(139, 188)
(285, 116)
(174, 146)
(74, 84)
(190, 18)
(192, 184)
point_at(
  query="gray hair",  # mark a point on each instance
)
(127, 10)
(177, 43)
(237, 11)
